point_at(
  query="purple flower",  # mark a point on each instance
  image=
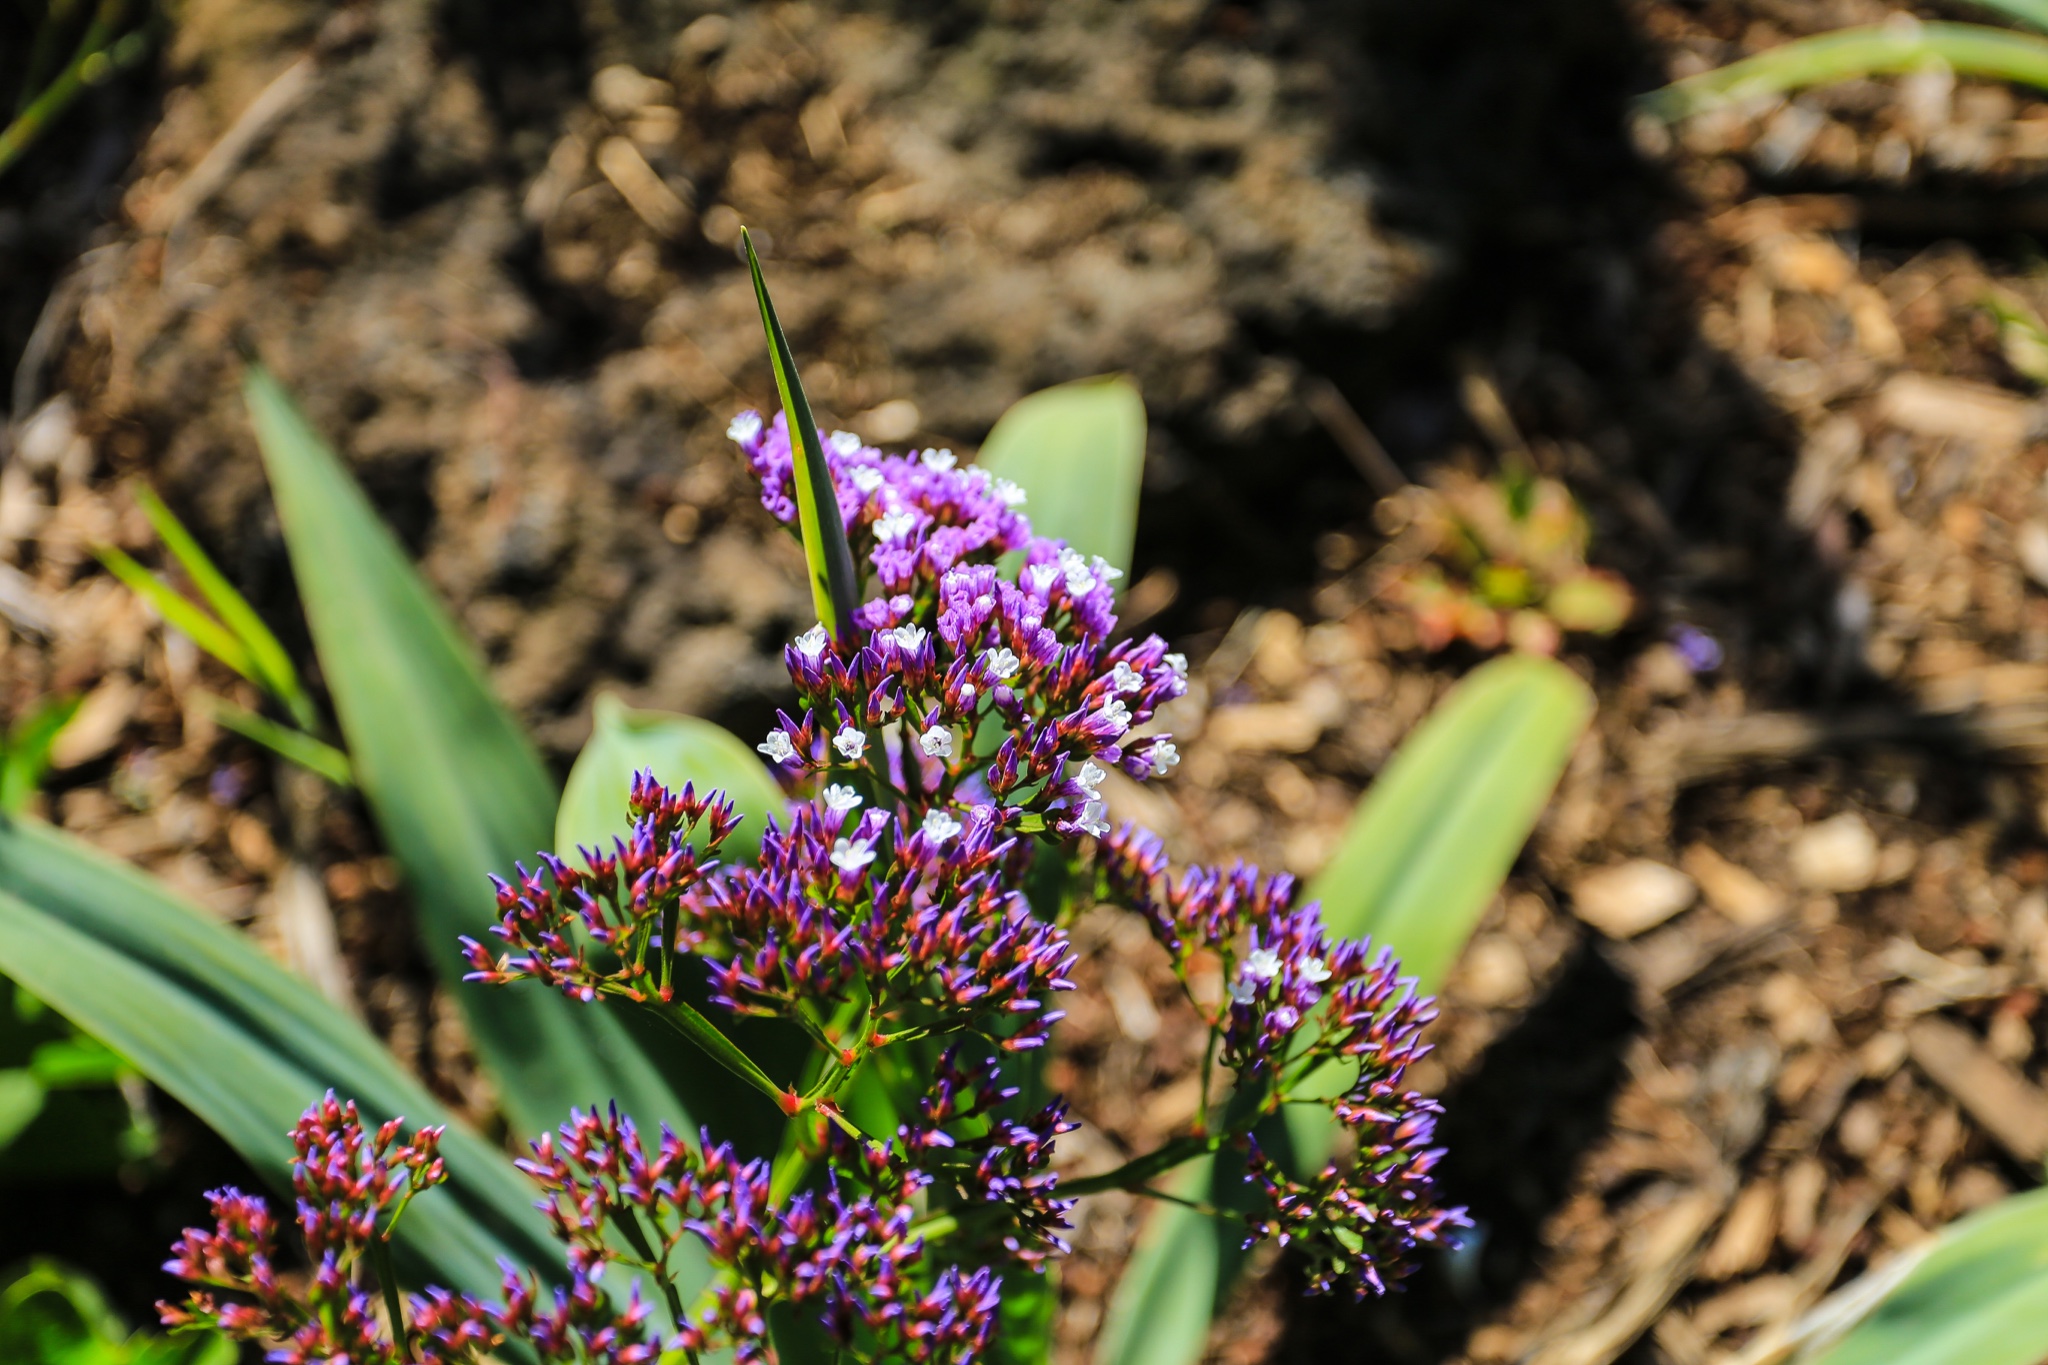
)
(1700, 651)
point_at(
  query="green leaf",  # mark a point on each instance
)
(315, 756)
(50, 1315)
(1432, 840)
(1025, 1317)
(239, 1041)
(457, 790)
(2034, 12)
(677, 749)
(71, 1063)
(1980, 1296)
(1851, 53)
(1078, 452)
(21, 1100)
(1160, 1311)
(181, 613)
(1425, 852)
(274, 671)
(25, 757)
(835, 591)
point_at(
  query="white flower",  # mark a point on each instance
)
(1080, 581)
(1314, 970)
(777, 747)
(1094, 818)
(1002, 664)
(1179, 664)
(1115, 715)
(1106, 571)
(841, 798)
(1243, 991)
(937, 742)
(1165, 756)
(1091, 776)
(1010, 493)
(849, 856)
(908, 637)
(865, 477)
(895, 526)
(938, 459)
(939, 826)
(1039, 578)
(744, 428)
(843, 442)
(1124, 678)
(851, 742)
(1261, 964)
(811, 643)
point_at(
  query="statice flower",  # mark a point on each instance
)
(953, 740)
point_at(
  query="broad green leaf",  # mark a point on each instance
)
(1425, 852)
(835, 591)
(181, 613)
(677, 749)
(1851, 53)
(50, 1315)
(2032, 12)
(1030, 1305)
(25, 754)
(316, 756)
(274, 671)
(457, 790)
(1078, 452)
(238, 1040)
(1432, 840)
(1979, 1297)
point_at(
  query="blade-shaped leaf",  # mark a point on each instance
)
(1979, 1296)
(1427, 848)
(237, 1039)
(1850, 53)
(457, 790)
(2034, 12)
(834, 589)
(1078, 452)
(25, 753)
(296, 745)
(181, 613)
(273, 666)
(677, 749)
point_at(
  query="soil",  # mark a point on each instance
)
(492, 253)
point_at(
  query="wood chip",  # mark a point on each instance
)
(1746, 1234)
(1837, 854)
(305, 931)
(646, 193)
(1955, 410)
(1628, 898)
(1735, 892)
(101, 718)
(1275, 727)
(2002, 1101)
(1659, 1271)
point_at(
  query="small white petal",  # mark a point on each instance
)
(744, 428)
(895, 526)
(1116, 715)
(1009, 493)
(865, 477)
(1242, 991)
(939, 826)
(938, 459)
(937, 742)
(841, 798)
(1179, 664)
(849, 856)
(843, 442)
(811, 643)
(851, 743)
(1094, 818)
(908, 637)
(1261, 964)
(777, 747)
(1002, 664)
(1314, 969)
(1091, 776)
(1125, 679)
(1165, 757)
(1105, 570)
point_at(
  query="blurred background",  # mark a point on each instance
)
(1777, 352)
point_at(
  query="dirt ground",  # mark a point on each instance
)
(1759, 1009)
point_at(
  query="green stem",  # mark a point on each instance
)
(657, 1266)
(1138, 1171)
(90, 66)
(387, 1280)
(686, 1020)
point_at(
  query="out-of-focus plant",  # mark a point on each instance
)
(1496, 561)
(229, 629)
(25, 749)
(68, 1102)
(2022, 336)
(52, 1315)
(77, 45)
(1901, 43)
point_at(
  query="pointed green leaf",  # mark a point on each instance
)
(1160, 1311)
(1426, 850)
(2034, 12)
(677, 749)
(1851, 53)
(456, 789)
(313, 755)
(1078, 452)
(835, 591)
(181, 613)
(274, 671)
(237, 1039)
(1980, 1296)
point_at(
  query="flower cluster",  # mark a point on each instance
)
(954, 741)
